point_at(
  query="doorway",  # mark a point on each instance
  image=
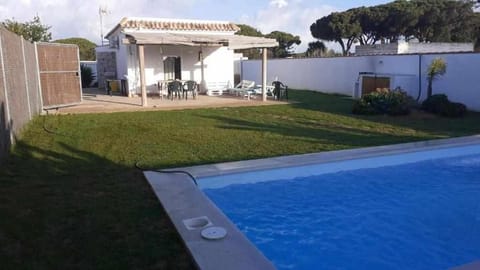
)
(172, 68)
(371, 84)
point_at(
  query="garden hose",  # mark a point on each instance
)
(167, 171)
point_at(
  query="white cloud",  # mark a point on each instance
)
(295, 20)
(73, 18)
(279, 3)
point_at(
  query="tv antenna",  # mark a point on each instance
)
(102, 11)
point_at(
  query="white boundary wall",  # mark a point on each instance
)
(461, 83)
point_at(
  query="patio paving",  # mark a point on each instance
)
(97, 101)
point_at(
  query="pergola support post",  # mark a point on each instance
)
(141, 60)
(203, 84)
(264, 74)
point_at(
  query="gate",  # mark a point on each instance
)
(59, 69)
(371, 84)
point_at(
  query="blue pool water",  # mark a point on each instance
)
(424, 215)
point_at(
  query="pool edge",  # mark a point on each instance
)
(181, 199)
(234, 167)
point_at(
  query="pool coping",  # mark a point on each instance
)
(325, 157)
(182, 199)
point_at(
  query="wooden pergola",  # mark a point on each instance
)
(198, 40)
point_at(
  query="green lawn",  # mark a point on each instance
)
(72, 199)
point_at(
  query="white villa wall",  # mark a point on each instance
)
(122, 64)
(461, 83)
(133, 72)
(330, 75)
(394, 64)
(218, 64)
(402, 70)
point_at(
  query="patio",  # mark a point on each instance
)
(97, 101)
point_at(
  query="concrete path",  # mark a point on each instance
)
(97, 101)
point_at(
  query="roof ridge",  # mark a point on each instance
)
(177, 20)
(176, 24)
(168, 24)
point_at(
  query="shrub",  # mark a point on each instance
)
(87, 76)
(439, 104)
(454, 109)
(395, 102)
(435, 103)
(362, 106)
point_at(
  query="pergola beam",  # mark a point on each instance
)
(233, 42)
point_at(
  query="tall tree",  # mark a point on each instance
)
(247, 30)
(86, 47)
(341, 27)
(425, 20)
(476, 31)
(286, 41)
(316, 49)
(370, 22)
(428, 20)
(32, 30)
(397, 19)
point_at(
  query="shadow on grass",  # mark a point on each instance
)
(320, 131)
(331, 103)
(417, 120)
(69, 209)
(5, 129)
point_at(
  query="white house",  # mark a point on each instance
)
(150, 50)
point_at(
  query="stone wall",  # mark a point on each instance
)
(412, 47)
(106, 67)
(376, 49)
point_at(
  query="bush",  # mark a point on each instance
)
(454, 109)
(395, 102)
(87, 76)
(439, 104)
(362, 106)
(435, 103)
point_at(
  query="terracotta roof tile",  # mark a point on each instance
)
(152, 24)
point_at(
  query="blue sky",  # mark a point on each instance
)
(74, 18)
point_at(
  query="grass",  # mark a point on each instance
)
(72, 199)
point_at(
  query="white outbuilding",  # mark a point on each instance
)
(144, 52)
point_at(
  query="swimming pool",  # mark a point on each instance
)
(416, 210)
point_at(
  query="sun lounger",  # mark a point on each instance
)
(244, 88)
